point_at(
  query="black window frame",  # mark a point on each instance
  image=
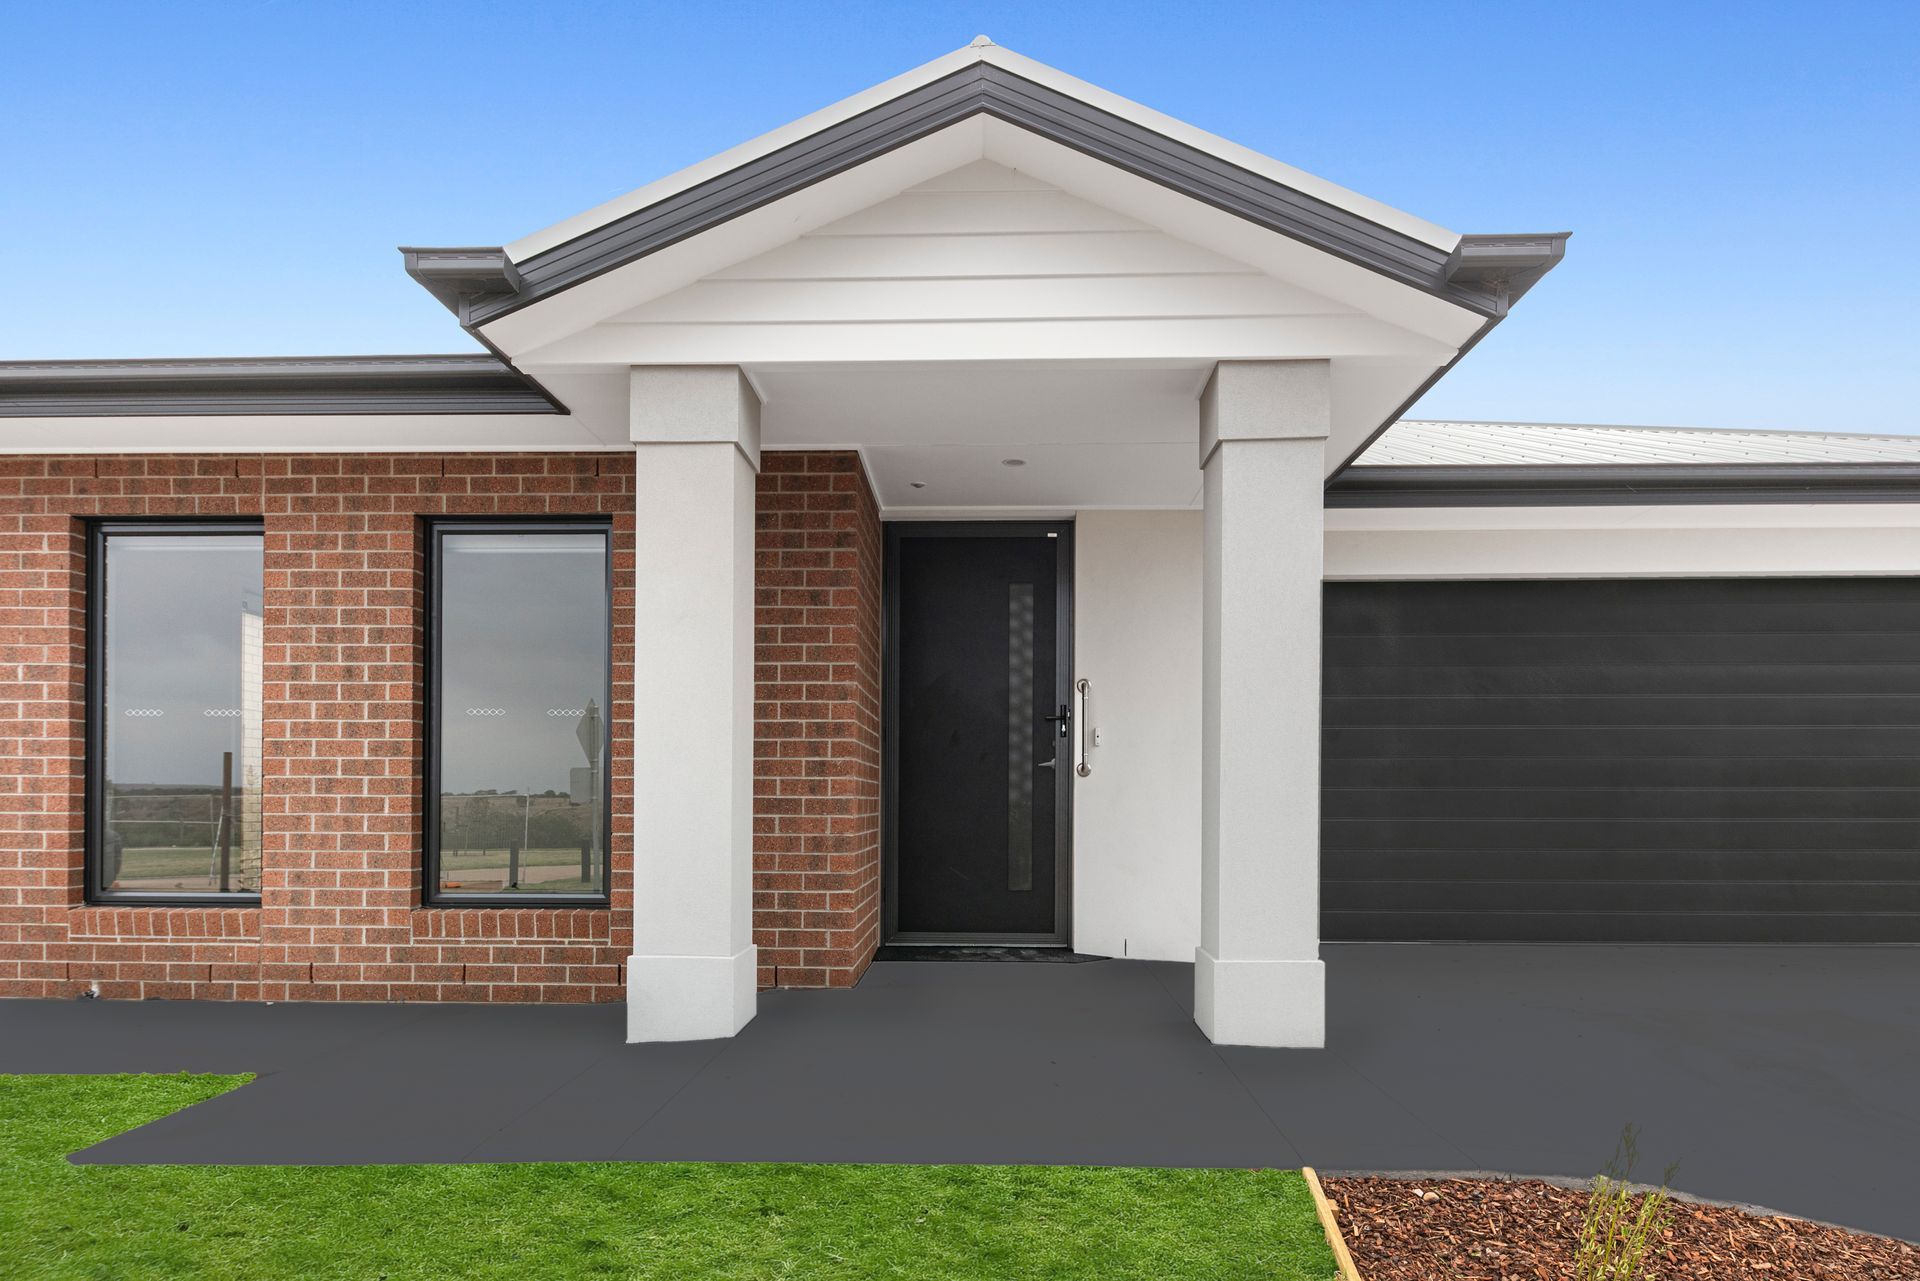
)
(431, 895)
(95, 731)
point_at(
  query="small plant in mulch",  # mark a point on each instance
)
(1621, 1233)
(1528, 1230)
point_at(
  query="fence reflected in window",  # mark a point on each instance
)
(177, 724)
(522, 651)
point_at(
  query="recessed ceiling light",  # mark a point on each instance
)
(1013, 462)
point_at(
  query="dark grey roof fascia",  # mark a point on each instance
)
(1573, 485)
(452, 384)
(982, 88)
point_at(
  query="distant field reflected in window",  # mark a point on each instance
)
(178, 724)
(522, 650)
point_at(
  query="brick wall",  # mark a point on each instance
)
(816, 854)
(340, 915)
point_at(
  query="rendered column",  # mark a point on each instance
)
(696, 430)
(1258, 978)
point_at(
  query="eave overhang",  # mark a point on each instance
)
(451, 384)
(1505, 266)
(460, 277)
(1565, 485)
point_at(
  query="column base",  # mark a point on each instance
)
(689, 998)
(1272, 1003)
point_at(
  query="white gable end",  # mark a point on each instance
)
(984, 262)
(983, 243)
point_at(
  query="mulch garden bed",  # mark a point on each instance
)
(1524, 1230)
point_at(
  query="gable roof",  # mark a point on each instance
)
(1482, 274)
(980, 49)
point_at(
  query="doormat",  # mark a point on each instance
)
(1058, 955)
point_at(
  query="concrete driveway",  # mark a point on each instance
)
(1786, 1077)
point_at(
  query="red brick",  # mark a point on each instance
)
(817, 690)
(340, 918)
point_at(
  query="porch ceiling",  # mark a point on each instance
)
(937, 437)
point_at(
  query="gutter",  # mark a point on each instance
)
(297, 385)
(1641, 484)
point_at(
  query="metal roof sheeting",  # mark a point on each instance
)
(1413, 443)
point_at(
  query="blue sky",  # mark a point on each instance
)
(1743, 180)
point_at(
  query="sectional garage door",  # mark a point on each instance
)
(1680, 760)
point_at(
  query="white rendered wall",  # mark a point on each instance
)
(1136, 830)
(1704, 540)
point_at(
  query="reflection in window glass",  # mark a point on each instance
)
(178, 789)
(522, 669)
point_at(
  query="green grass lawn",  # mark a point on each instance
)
(168, 860)
(549, 1222)
(536, 856)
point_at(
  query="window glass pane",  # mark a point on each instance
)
(180, 770)
(522, 713)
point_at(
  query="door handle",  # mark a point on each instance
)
(1084, 688)
(1063, 718)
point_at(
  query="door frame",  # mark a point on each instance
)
(896, 532)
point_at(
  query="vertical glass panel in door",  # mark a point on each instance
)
(1020, 745)
(180, 714)
(522, 645)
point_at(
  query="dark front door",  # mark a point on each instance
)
(978, 648)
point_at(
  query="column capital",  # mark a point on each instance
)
(1264, 400)
(694, 404)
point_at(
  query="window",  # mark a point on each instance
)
(517, 771)
(174, 712)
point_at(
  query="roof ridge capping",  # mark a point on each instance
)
(1484, 274)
